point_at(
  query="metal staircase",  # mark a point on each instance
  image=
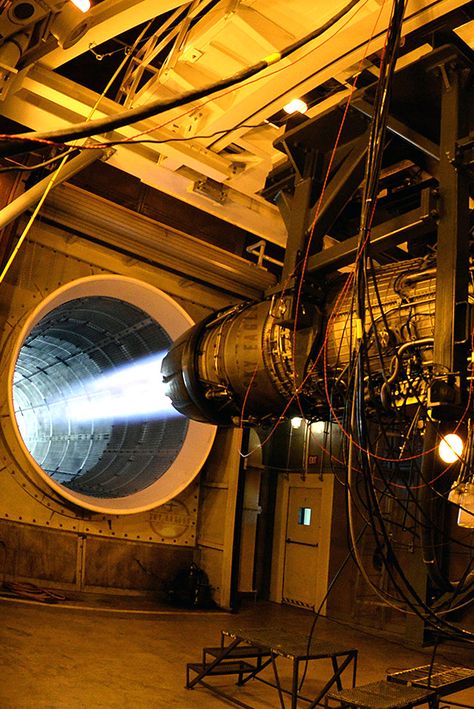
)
(243, 661)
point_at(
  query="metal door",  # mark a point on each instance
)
(302, 546)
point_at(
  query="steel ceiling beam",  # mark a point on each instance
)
(406, 227)
(108, 19)
(45, 99)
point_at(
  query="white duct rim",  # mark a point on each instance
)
(174, 320)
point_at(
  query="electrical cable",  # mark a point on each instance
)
(414, 502)
(124, 141)
(358, 428)
(425, 612)
(33, 592)
(344, 430)
(302, 267)
(317, 613)
(22, 142)
(432, 523)
(368, 510)
(31, 220)
(64, 158)
(417, 606)
(31, 168)
(372, 506)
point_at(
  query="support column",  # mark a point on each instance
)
(451, 330)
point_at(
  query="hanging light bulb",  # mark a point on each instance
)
(450, 448)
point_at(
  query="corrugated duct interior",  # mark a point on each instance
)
(87, 399)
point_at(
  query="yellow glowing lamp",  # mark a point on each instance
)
(450, 448)
(82, 5)
(296, 105)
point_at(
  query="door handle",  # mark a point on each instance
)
(305, 544)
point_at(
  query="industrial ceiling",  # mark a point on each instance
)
(61, 67)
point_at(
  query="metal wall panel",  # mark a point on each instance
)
(50, 259)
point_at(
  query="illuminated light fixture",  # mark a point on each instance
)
(450, 448)
(462, 494)
(466, 506)
(82, 5)
(296, 105)
(296, 422)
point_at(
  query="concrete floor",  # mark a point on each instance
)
(93, 656)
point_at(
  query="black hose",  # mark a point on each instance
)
(25, 141)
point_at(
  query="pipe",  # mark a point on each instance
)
(401, 350)
(34, 194)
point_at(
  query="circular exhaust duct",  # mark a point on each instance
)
(86, 398)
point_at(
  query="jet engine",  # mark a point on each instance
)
(252, 363)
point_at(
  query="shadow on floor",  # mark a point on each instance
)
(92, 652)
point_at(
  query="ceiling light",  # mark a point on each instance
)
(450, 448)
(296, 105)
(82, 5)
(296, 422)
